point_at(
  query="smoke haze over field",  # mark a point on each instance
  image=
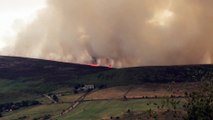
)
(121, 33)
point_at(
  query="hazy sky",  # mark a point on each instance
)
(14, 13)
(121, 33)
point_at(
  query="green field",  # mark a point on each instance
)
(13, 91)
(36, 112)
(95, 110)
(88, 110)
(28, 79)
(22, 83)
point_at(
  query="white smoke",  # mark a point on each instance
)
(122, 33)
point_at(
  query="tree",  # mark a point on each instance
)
(200, 103)
(77, 86)
(55, 98)
(102, 86)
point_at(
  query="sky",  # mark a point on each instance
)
(15, 13)
(119, 33)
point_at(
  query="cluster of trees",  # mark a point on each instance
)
(114, 118)
(54, 97)
(14, 106)
(102, 86)
(78, 86)
(199, 104)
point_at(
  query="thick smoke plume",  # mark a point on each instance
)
(121, 33)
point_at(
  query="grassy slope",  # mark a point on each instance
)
(155, 74)
(104, 109)
(24, 78)
(36, 112)
(16, 68)
(109, 93)
(12, 91)
(69, 98)
(100, 108)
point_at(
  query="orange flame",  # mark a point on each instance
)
(93, 65)
(97, 65)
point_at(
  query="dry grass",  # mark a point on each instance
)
(145, 90)
(109, 93)
(162, 90)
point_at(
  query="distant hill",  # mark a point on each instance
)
(152, 74)
(15, 68)
(18, 68)
(26, 78)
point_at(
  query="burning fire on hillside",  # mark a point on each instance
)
(97, 65)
